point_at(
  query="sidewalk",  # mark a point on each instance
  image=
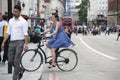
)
(26, 76)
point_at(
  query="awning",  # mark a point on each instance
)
(25, 17)
(114, 14)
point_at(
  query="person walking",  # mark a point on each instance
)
(118, 35)
(107, 30)
(68, 31)
(58, 38)
(17, 30)
(1, 34)
(5, 27)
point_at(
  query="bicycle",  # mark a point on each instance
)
(31, 60)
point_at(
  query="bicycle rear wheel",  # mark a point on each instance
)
(31, 60)
(67, 60)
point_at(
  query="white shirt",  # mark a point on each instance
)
(107, 29)
(17, 28)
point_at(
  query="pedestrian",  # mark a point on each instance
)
(118, 35)
(5, 27)
(76, 31)
(58, 38)
(17, 30)
(107, 30)
(68, 31)
(1, 33)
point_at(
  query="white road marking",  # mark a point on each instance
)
(100, 53)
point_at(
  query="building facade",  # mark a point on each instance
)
(3, 6)
(52, 6)
(97, 11)
(68, 6)
(74, 10)
(113, 12)
(59, 5)
(33, 8)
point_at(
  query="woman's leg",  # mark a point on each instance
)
(48, 46)
(53, 56)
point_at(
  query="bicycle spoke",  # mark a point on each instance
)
(31, 60)
(67, 60)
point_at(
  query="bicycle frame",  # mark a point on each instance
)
(44, 54)
(41, 50)
(41, 40)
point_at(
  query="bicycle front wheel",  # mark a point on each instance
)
(67, 60)
(31, 60)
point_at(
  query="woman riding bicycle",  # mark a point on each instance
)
(58, 38)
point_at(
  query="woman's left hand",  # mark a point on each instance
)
(48, 35)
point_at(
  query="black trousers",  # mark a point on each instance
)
(5, 55)
(1, 40)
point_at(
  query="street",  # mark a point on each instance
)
(99, 59)
(89, 21)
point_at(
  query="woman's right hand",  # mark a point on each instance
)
(48, 35)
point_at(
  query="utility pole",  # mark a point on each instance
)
(9, 9)
(38, 14)
(117, 11)
(9, 16)
(38, 8)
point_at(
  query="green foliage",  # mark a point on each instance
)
(83, 11)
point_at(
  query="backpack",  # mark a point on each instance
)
(37, 30)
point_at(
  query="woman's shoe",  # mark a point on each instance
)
(50, 66)
(54, 65)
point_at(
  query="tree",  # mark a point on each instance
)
(83, 11)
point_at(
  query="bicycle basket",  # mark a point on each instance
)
(36, 38)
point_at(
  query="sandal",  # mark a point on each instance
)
(50, 66)
(54, 65)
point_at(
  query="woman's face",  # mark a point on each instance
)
(53, 18)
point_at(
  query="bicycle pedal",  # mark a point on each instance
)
(50, 61)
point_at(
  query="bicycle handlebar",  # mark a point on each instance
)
(42, 39)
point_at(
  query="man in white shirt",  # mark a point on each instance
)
(17, 30)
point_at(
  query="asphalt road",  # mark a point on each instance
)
(99, 59)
